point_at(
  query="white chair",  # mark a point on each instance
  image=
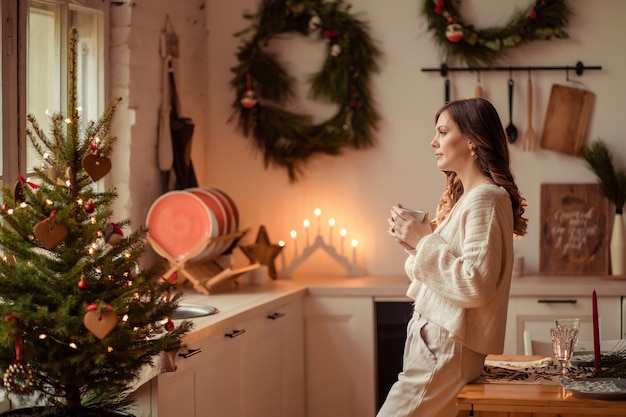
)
(605, 345)
(536, 347)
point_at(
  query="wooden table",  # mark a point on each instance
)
(531, 400)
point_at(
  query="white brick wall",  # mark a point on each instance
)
(135, 75)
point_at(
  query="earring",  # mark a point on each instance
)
(472, 148)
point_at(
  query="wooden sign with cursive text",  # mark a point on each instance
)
(575, 230)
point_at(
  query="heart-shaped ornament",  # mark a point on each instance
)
(100, 323)
(96, 166)
(50, 234)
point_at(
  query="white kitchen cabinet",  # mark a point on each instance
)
(273, 364)
(251, 365)
(537, 315)
(340, 356)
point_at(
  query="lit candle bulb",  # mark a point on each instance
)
(318, 213)
(282, 252)
(294, 235)
(306, 223)
(354, 245)
(343, 233)
(331, 223)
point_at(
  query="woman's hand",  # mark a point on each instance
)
(405, 229)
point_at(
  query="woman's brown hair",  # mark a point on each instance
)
(478, 120)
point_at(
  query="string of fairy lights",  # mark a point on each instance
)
(96, 248)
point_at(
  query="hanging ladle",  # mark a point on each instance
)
(511, 130)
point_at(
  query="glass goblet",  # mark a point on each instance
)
(569, 322)
(563, 342)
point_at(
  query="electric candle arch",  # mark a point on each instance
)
(319, 243)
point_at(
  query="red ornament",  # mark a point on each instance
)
(249, 99)
(454, 32)
(90, 207)
(533, 14)
(169, 326)
(83, 284)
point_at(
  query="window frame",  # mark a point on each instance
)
(14, 75)
(13, 88)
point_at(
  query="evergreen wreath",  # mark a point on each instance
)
(459, 41)
(287, 139)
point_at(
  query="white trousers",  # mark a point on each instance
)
(434, 370)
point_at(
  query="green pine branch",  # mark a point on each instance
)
(599, 159)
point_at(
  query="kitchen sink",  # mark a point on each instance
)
(190, 311)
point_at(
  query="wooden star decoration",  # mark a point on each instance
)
(263, 252)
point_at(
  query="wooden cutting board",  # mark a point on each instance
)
(567, 119)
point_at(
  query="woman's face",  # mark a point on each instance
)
(452, 149)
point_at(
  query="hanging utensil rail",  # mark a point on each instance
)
(579, 68)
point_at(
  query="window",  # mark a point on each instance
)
(35, 82)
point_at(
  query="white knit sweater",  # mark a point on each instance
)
(461, 274)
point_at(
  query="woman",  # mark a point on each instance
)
(461, 272)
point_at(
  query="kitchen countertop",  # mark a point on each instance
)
(566, 286)
(233, 300)
(530, 285)
(239, 301)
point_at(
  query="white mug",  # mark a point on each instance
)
(416, 214)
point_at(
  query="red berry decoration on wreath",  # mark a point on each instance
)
(439, 7)
(18, 377)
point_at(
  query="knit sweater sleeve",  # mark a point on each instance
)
(463, 263)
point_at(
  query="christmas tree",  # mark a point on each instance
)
(81, 316)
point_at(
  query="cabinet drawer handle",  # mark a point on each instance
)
(189, 353)
(235, 333)
(557, 301)
(275, 316)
